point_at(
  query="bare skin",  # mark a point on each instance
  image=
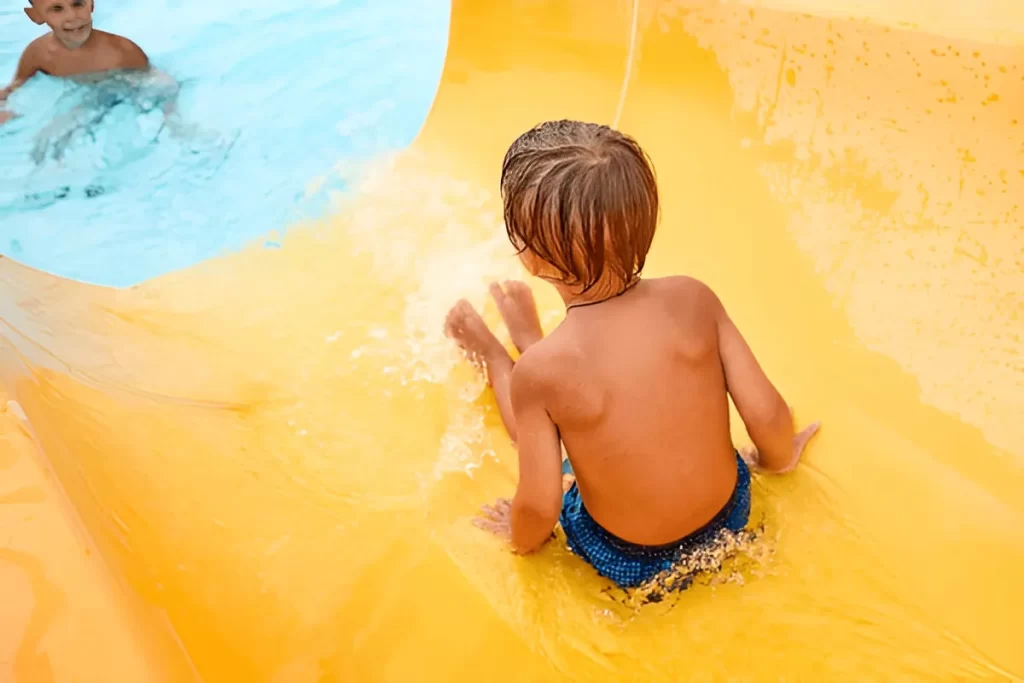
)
(637, 388)
(101, 52)
(519, 311)
(72, 48)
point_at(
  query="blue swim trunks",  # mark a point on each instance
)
(630, 565)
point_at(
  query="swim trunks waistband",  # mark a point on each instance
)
(630, 564)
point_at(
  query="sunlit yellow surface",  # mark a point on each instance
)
(262, 468)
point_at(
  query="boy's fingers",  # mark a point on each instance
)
(803, 437)
(493, 527)
(498, 512)
(497, 293)
(485, 526)
(483, 523)
(811, 429)
(521, 286)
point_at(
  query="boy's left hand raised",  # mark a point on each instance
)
(497, 519)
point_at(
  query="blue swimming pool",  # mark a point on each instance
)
(274, 93)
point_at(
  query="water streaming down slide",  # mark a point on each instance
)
(262, 468)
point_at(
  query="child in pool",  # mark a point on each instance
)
(634, 381)
(72, 48)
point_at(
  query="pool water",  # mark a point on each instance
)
(273, 95)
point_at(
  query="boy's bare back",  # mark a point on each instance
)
(647, 429)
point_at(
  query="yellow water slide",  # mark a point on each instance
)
(263, 468)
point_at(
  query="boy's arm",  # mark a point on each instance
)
(538, 499)
(765, 414)
(168, 87)
(28, 65)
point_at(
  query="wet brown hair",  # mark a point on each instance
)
(581, 197)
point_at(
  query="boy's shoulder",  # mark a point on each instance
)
(690, 303)
(37, 56)
(116, 39)
(684, 287)
(540, 365)
(542, 353)
(39, 47)
(129, 49)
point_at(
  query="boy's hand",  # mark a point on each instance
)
(6, 116)
(497, 519)
(800, 441)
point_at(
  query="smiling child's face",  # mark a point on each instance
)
(70, 20)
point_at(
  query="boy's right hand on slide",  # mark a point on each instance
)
(800, 441)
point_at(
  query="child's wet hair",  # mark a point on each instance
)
(581, 197)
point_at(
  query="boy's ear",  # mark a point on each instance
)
(33, 14)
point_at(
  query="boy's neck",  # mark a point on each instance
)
(602, 291)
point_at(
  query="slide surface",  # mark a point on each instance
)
(263, 468)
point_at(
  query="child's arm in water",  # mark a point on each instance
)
(28, 65)
(168, 88)
(765, 414)
(538, 499)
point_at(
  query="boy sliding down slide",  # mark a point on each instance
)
(635, 381)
